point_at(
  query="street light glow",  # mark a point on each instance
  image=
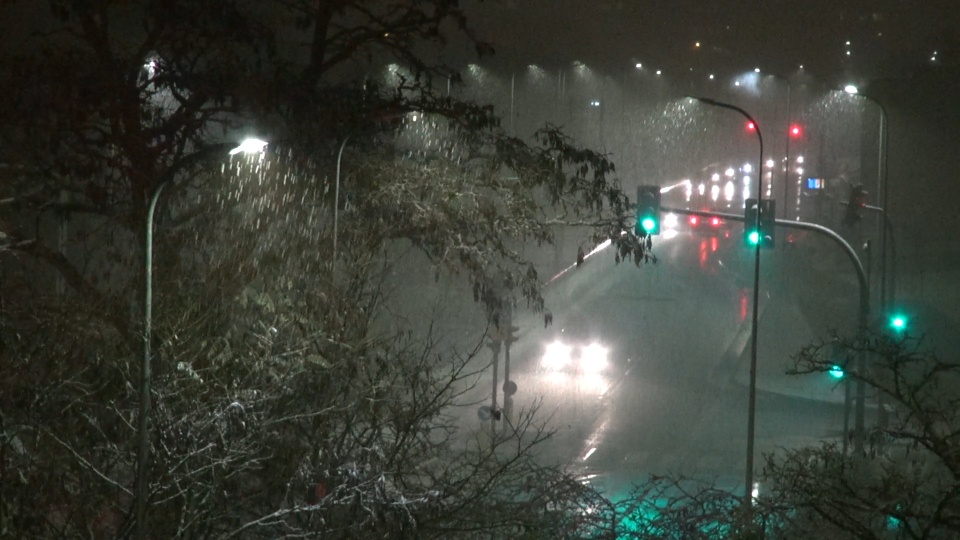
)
(851, 89)
(249, 146)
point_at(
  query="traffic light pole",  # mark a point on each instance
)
(752, 399)
(888, 229)
(864, 308)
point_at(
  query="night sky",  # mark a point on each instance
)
(887, 37)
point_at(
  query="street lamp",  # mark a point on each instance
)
(791, 133)
(248, 146)
(336, 200)
(882, 185)
(752, 406)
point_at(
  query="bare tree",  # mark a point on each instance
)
(283, 406)
(906, 484)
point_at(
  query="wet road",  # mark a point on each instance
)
(672, 396)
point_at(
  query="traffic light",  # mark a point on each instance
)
(648, 210)
(751, 126)
(836, 371)
(796, 131)
(898, 322)
(837, 359)
(855, 205)
(764, 235)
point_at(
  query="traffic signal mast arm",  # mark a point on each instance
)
(851, 254)
(864, 300)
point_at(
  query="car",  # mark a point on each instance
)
(567, 353)
(704, 223)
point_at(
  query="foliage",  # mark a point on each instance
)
(284, 405)
(903, 485)
(282, 409)
(666, 507)
(155, 91)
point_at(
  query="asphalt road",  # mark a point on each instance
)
(673, 396)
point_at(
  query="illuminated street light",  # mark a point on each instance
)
(882, 186)
(248, 146)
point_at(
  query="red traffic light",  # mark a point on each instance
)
(795, 131)
(751, 126)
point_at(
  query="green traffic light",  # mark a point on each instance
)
(754, 237)
(649, 224)
(898, 322)
(836, 372)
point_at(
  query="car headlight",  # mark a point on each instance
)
(670, 221)
(557, 356)
(593, 358)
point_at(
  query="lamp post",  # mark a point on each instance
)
(336, 200)
(143, 415)
(752, 399)
(786, 162)
(882, 188)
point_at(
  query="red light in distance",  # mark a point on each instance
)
(715, 221)
(694, 220)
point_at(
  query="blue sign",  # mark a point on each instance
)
(815, 183)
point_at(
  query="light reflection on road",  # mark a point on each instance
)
(587, 385)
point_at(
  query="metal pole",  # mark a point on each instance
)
(513, 77)
(508, 340)
(143, 420)
(888, 228)
(752, 399)
(864, 309)
(143, 411)
(336, 202)
(786, 164)
(495, 347)
(885, 128)
(846, 416)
